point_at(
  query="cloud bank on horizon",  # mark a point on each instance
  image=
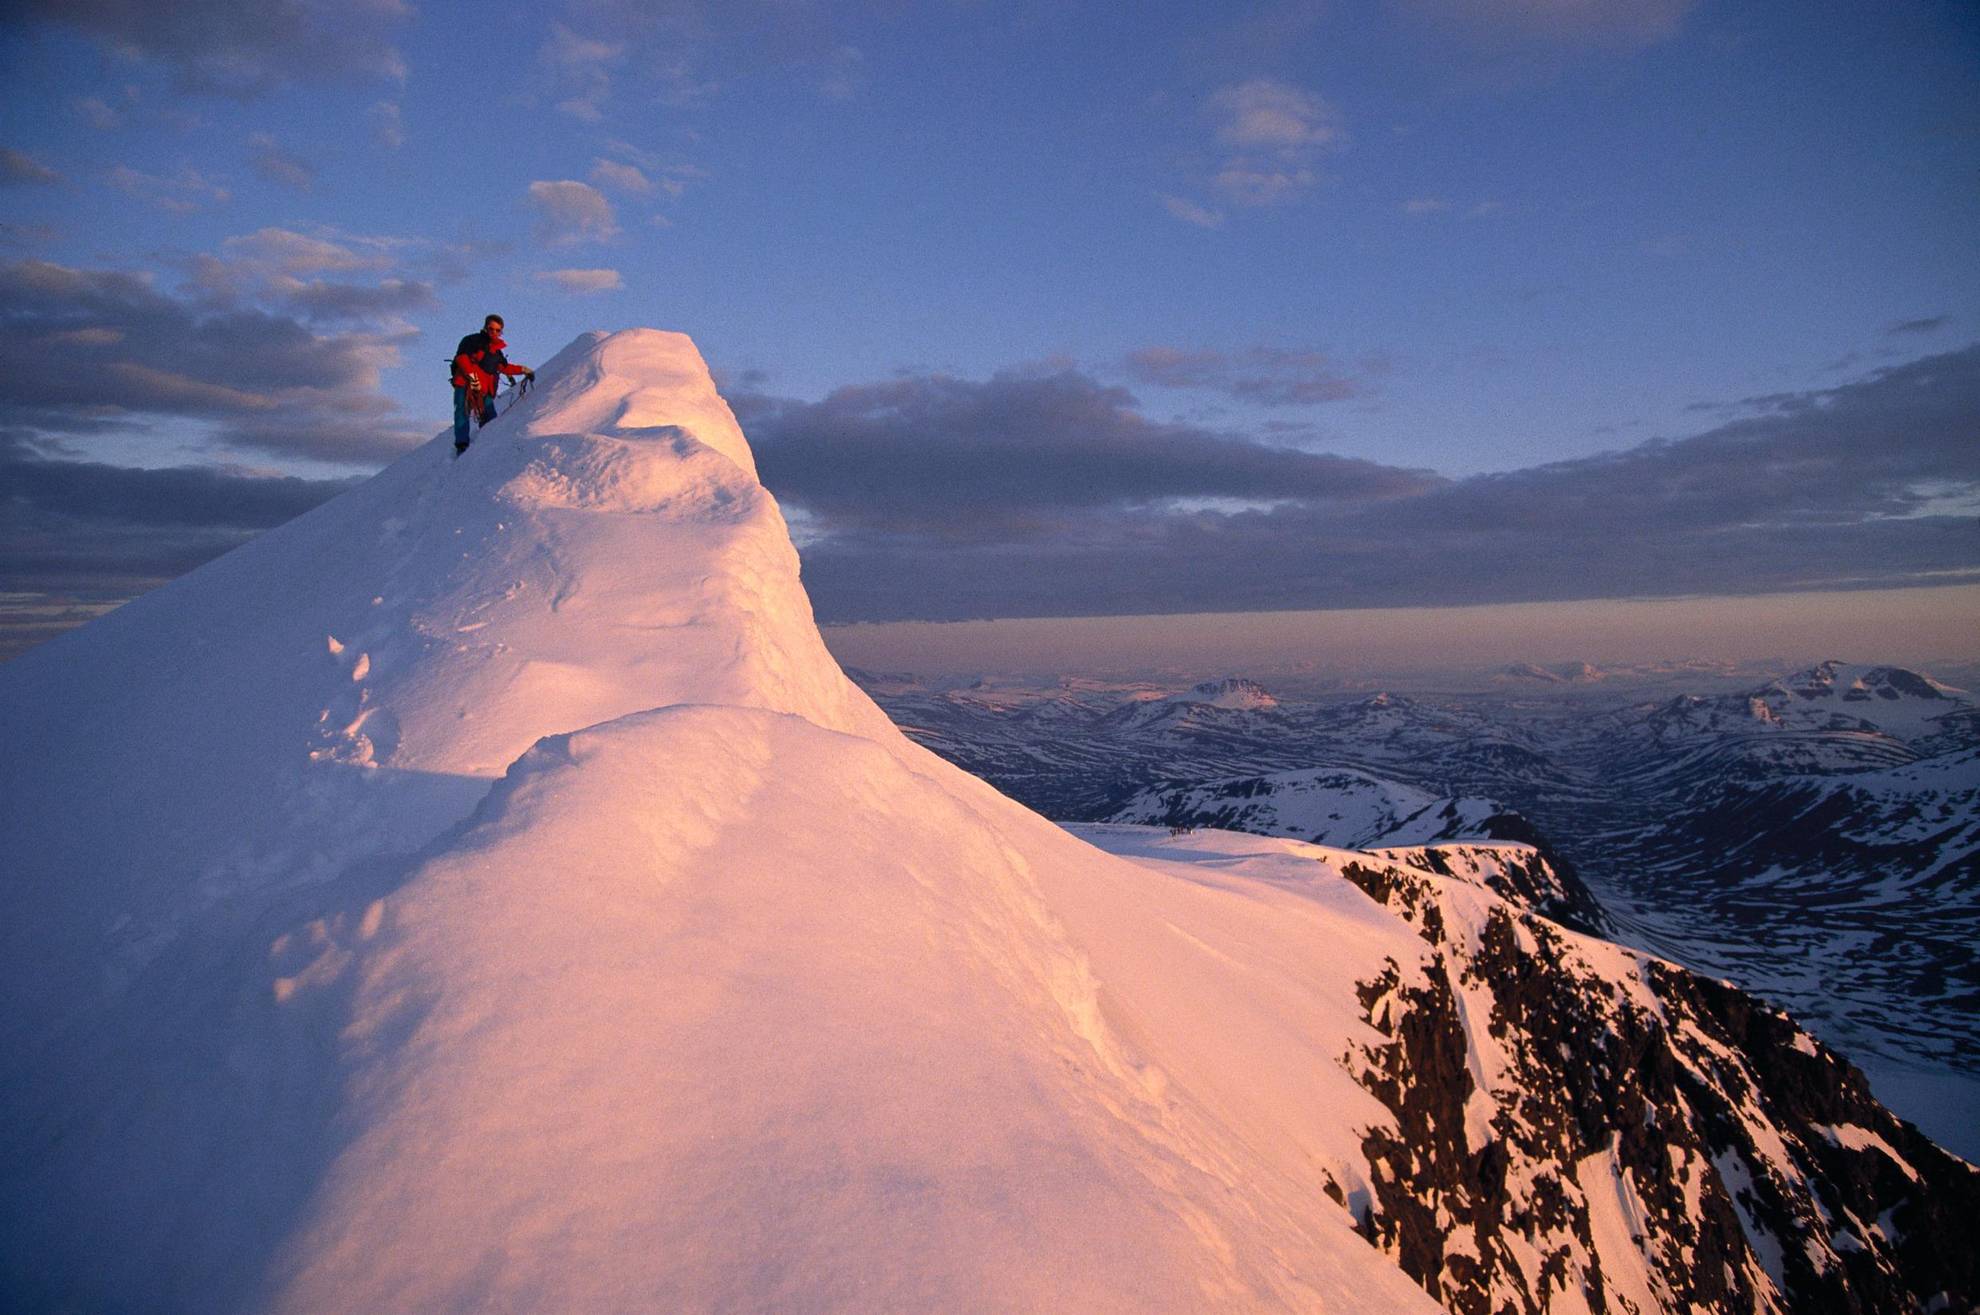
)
(1337, 305)
(940, 499)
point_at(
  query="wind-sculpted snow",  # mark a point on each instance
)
(486, 894)
(346, 685)
(325, 990)
(715, 1009)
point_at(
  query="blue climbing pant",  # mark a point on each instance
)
(461, 415)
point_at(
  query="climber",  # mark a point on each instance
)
(478, 368)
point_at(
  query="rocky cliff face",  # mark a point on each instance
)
(1584, 1127)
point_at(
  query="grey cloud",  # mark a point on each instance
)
(1843, 484)
(204, 497)
(1273, 375)
(269, 160)
(78, 537)
(1929, 324)
(240, 350)
(85, 347)
(324, 430)
(1294, 558)
(17, 168)
(581, 282)
(1873, 448)
(953, 457)
(242, 47)
(318, 300)
(278, 267)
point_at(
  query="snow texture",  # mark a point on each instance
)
(484, 892)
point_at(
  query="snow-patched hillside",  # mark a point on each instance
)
(1341, 807)
(485, 893)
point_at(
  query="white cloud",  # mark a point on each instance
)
(682, 87)
(583, 282)
(1266, 114)
(1191, 213)
(570, 212)
(280, 251)
(675, 178)
(1425, 205)
(182, 193)
(388, 127)
(649, 166)
(1248, 183)
(1276, 133)
(636, 154)
(580, 71)
(624, 177)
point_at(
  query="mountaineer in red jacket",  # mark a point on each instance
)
(478, 369)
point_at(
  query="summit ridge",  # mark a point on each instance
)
(486, 892)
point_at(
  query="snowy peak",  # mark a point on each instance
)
(1563, 673)
(1884, 710)
(368, 669)
(633, 381)
(1230, 692)
(1856, 684)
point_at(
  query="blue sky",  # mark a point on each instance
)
(1460, 249)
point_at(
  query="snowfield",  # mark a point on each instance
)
(485, 893)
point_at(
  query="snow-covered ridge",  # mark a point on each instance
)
(486, 893)
(350, 682)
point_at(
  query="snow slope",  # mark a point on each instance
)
(347, 685)
(485, 893)
(325, 990)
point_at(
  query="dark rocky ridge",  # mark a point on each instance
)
(1766, 1175)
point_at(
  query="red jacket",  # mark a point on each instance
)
(478, 360)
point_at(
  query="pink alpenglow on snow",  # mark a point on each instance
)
(484, 892)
